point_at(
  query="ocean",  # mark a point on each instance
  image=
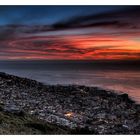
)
(120, 76)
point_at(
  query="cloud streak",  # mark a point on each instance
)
(106, 35)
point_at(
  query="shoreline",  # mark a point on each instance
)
(118, 92)
(96, 110)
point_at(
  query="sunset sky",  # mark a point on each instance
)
(70, 32)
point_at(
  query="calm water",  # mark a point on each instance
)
(119, 77)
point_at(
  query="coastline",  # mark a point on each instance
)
(80, 109)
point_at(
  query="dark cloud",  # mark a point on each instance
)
(19, 40)
(124, 18)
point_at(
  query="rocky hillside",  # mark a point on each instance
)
(69, 109)
(21, 124)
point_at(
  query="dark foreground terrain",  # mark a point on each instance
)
(29, 107)
(21, 123)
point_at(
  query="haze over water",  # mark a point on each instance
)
(119, 76)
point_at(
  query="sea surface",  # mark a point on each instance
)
(119, 76)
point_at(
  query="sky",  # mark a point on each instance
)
(69, 33)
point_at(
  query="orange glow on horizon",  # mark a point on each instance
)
(82, 47)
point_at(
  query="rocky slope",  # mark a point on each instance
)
(78, 109)
(21, 124)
